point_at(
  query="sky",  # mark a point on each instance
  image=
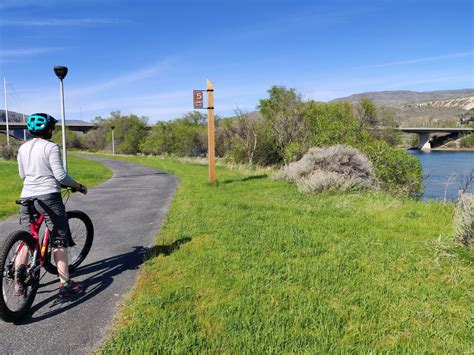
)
(146, 57)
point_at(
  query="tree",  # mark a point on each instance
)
(284, 112)
(96, 139)
(366, 112)
(72, 139)
(185, 136)
(246, 132)
(130, 131)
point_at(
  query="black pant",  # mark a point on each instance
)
(51, 206)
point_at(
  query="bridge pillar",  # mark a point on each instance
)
(424, 141)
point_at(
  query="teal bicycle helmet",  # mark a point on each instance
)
(40, 122)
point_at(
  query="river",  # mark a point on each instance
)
(444, 172)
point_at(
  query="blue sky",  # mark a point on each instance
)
(146, 57)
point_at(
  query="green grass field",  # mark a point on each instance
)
(86, 171)
(250, 265)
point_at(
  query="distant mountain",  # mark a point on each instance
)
(401, 97)
(443, 108)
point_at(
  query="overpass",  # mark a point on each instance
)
(73, 126)
(425, 132)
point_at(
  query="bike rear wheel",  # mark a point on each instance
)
(81, 238)
(19, 244)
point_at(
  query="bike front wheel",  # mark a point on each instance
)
(80, 241)
(19, 278)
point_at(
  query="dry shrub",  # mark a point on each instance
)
(464, 219)
(9, 152)
(336, 167)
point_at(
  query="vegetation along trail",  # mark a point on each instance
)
(126, 211)
(251, 265)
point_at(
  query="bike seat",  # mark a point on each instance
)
(26, 201)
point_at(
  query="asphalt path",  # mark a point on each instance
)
(127, 212)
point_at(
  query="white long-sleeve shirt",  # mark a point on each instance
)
(40, 167)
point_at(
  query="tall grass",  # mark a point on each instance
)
(87, 172)
(251, 265)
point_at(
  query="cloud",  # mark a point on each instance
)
(425, 59)
(121, 80)
(9, 53)
(92, 97)
(78, 22)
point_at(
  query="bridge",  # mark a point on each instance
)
(73, 126)
(425, 132)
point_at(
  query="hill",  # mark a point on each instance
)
(400, 97)
(421, 109)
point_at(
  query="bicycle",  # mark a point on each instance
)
(38, 254)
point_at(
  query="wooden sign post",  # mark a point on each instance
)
(198, 104)
(210, 131)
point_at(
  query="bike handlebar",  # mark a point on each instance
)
(72, 189)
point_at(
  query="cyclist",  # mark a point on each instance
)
(40, 167)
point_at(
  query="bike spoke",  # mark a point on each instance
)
(79, 235)
(13, 301)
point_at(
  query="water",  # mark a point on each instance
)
(444, 172)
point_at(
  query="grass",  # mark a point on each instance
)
(88, 172)
(250, 265)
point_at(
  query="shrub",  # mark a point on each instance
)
(72, 139)
(293, 151)
(464, 219)
(334, 123)
(284, 112)
(467, 142)
(336, 167)
(9, 152)
(396, 170)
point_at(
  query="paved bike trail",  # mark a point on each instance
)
(127, 211)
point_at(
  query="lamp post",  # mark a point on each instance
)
(61, 73)
(113, 141)
(6, 110)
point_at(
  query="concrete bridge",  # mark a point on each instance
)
(73, 126)
(425, 132)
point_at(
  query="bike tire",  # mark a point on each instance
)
(82, 234)
(7, 298)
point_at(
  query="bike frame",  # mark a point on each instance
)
(39, 247)
(34, 230)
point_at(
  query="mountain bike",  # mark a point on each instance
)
(34, 253)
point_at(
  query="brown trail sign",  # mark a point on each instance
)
(198, 96)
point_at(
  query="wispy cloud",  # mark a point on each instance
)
(121, 80)
(96, 97)
(73, 22)
(425, 59)
(10, 53)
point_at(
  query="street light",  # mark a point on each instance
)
(61, 73)
(113, 141)
(6, 111)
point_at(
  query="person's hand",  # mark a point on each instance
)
(83, 189)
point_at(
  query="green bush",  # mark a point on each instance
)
(181, 137)
(334, 123)
(467, 142)
(72, 139)
(129, 133)
(293, 151)
(396, 170)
